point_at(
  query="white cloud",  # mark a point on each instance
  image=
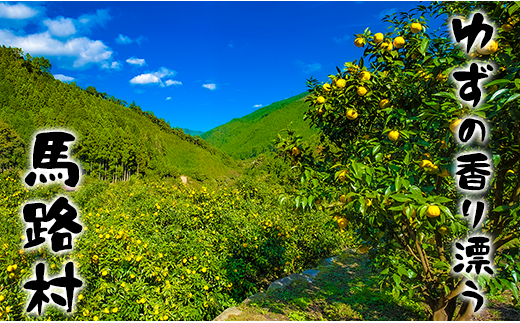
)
(125, 40)
(163, 72)
(173, 82)
(17, 11)
(87, 21)
(81, 50)
(308, 68)
(257, 106)
(344, 39)
(122, 39)
(113, 65)
(61, 27)
(63, 78)
(153, 78)
(145, 79)
(210, 86)
(386, 12)
(136, 61)
(168, 98)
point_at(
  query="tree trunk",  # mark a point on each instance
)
(466, 311)
(445, 311)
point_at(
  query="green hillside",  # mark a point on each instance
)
(192, 132)
(113, 140)
(253, 134)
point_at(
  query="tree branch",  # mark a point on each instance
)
(419, 251)
(458, 289)
(440, 246)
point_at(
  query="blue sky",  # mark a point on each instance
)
(196, 64)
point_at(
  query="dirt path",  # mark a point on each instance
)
(346, 289)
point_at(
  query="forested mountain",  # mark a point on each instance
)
(192, 132)
(254, 133)
(113, 140)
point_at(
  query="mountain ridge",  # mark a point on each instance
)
(253, 134)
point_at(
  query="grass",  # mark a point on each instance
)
(346, 290)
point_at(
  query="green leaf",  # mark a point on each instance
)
(441, 265)
(376, 149)
(315, 182)
(401, 197)
(424, 45)
(513, 97)
(501, 208)
(441, 199)
(499, 81)
(445, 210)
(407, 158)
(497, 93)
(397, 278)
(397, 183)
(304, 201)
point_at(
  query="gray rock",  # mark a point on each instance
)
(329, 261)
(227, 313)
(311, 272)
(288, 280)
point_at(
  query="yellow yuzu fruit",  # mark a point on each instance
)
(342, 176)
(387, 46)
(320, 100)
(352, 114)
(507, 28)
(433, 211)
(393, 135)
(342, 223)
(384, 103)
(359, 42)
(341, 83)
(398, 42)
(490, 48)
(296, 151)
(443, 230)
(364, 76)
(378, 38)
(327, 87)
(425, 163)
(361, 91)
(454, 124)
(416, 27)
(343, 198)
